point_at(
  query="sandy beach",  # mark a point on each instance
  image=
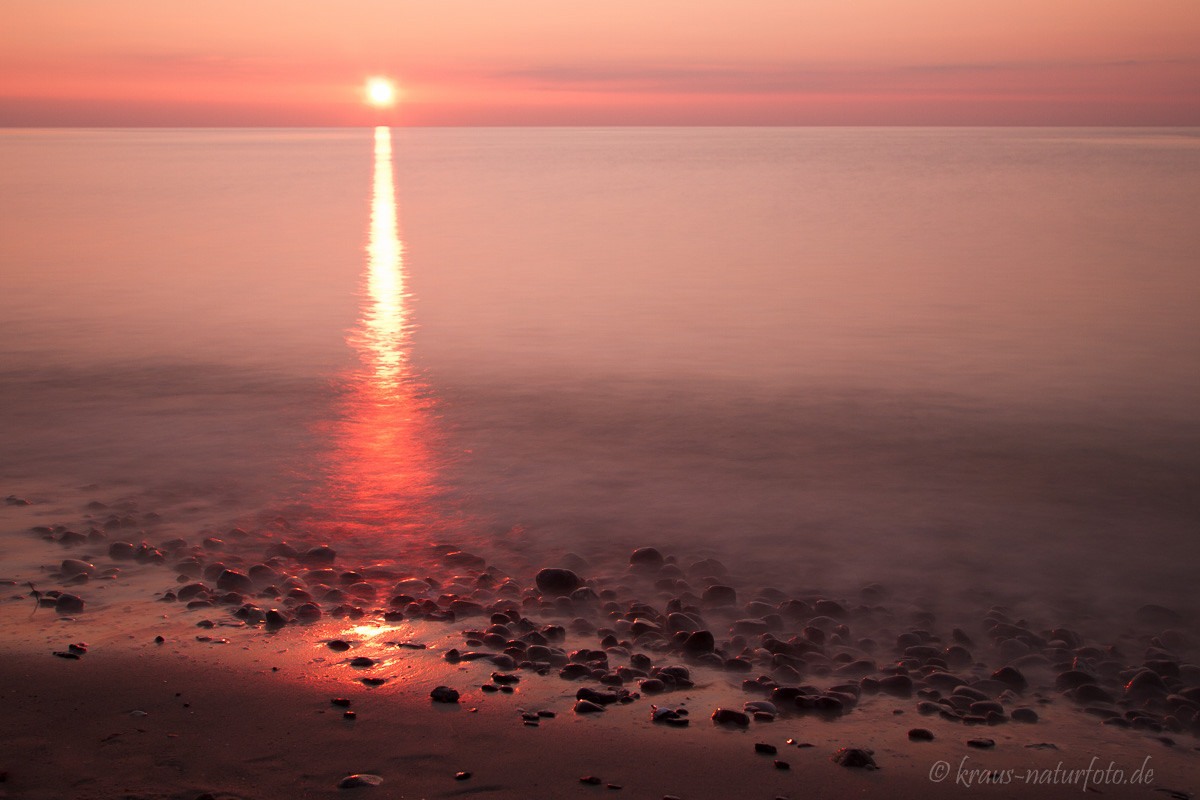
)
(138, 695)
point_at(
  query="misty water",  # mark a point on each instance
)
(945, 359)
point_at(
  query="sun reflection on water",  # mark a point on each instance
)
(382, 469)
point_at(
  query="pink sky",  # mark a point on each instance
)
(616, 62)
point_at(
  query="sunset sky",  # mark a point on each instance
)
(616, 62)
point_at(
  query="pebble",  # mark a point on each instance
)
(121, 551)
(232, 580)
(553, 581)
(74, 566)
(763, 747)
(720, 595)
(855, 757)
(1011, 677)
(699, 642)
(668, 716)
(444, 694)
(1026, 715)
(982, 744)
(462, 776)
(896, 685)
(319, 555)
(920, 735)
(646, 558)
(359, 780)
(68, 604)
(730, 716)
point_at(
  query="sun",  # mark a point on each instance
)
(380, 92)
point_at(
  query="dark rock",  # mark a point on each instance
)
(1026, 715)
(359, 781)
(68, 604)
(763, 747)
(729, 716)
(234, 581)
(1091, 693)
(1072, 679)
(1011, 677)
(1143, 686)
(444, 694)
(698, 643)
(921, 735)
(652, 686)
(75, 567)
(338, 645)
(362, 661)
(601, 698)
(855, 757)
(122, 551)
(307, 612)
(646, 559)
(319, 556)
(830, 608)
(587, 707)
(553, 581)
(944, 681)
(896, 685)
(982, 744)
(720, 595)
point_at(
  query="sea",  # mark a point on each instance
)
(952, 361)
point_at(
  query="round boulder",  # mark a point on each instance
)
(646, 558)
(557, 581)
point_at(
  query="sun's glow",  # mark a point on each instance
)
(380, 92)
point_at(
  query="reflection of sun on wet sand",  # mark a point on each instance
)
(280, 667)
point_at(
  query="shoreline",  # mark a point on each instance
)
(234, 708)
(234, 733)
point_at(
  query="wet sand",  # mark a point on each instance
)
(230, 707)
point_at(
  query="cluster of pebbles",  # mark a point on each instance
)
(653, 626)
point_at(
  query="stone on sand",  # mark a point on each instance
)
(359, 780)
(855, 757)
(555, 581)
(646, 559)
(444, 694)
(68, 604)
(75, 566)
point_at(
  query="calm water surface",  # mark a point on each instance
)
(948, 357)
